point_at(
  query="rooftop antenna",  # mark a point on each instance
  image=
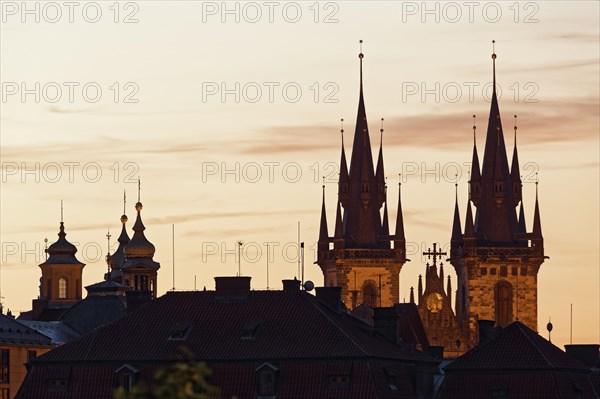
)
(571, 324)
(298, 254)
(108, 250)
(549, 327)
(240, 243)
(267, 266)
(173, 246)
(302, 254)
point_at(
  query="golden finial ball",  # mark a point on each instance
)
(361, 56)
(494, 56)
(138, 206)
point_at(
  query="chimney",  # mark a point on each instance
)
(385, 321)
(291, 285)
(232, 288)
(487, 331)
(137, 299)
(436, 352)
(585, 353)
(331, 296)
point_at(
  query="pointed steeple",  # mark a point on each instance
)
(344, 178)
(420, 288)
(469, 228)
(514, 170)
(362, 211)
(399, 218)
(412, 295)
(385, 227)
(537, 223)
(338, 237)
(522, 224)
(456, 227)
(323, 232)
(496, 217)
(442, 272)
(449, 287)
(475, 181)
(380, 174)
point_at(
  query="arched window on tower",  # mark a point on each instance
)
(369, 294)
(503, 299)
(62, 288)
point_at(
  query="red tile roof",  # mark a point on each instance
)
(520, 363)
(300, 335)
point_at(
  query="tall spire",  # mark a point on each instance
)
(339, 227)
(515, 174)
(522, 225)
(379, 173)
(469, 228)
(385, 227)
(537, 224)
(362, 210)
(456, 227)
(496, 216)
(399, 217)
(344, 179)
(475, 180)
(420, 288)
(412, 295)
(323, 232)
(449, 287)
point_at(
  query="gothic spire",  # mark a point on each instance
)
(412, 295)
(385, 227)
(496, 217)
(474, 182)
(380, 174)
(456, 227)
(469, 228)
(323, 232)
(399, 217)
(537, 224)
(522, 225)
(420, 288)
(362, 211)
(339, 227)
(449, 287)
(514, 169)
(344, 179)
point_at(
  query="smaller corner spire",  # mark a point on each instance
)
(537, 225)
(456, 227)
(399, 217)
(323, 231)
(420, 288)
(449, 286)
(412, 294)
(469, 228)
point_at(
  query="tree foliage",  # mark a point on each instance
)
(185, 379)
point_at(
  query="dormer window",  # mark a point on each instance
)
(180, 331)
(268, 380)
(57, 385)
(126, 376)
(249, 330)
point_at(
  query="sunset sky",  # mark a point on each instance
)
(247, 163)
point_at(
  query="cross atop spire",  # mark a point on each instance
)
(435, 253)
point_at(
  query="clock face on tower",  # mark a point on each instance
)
(434, 302)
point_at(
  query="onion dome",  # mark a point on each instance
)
(139, 246)
(117, 259)
(62, 251)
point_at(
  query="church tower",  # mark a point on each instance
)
(117, 259)
(359, 257)
(60, 284)
(496, 260)
(139, 271)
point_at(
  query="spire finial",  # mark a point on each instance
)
(399, 180)
(61, 211)
(124, 202)
(361, 56)
(381, 134)
(494, 62)
(474, 129)
(139, 189)
(108, 249)
(342, 130)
